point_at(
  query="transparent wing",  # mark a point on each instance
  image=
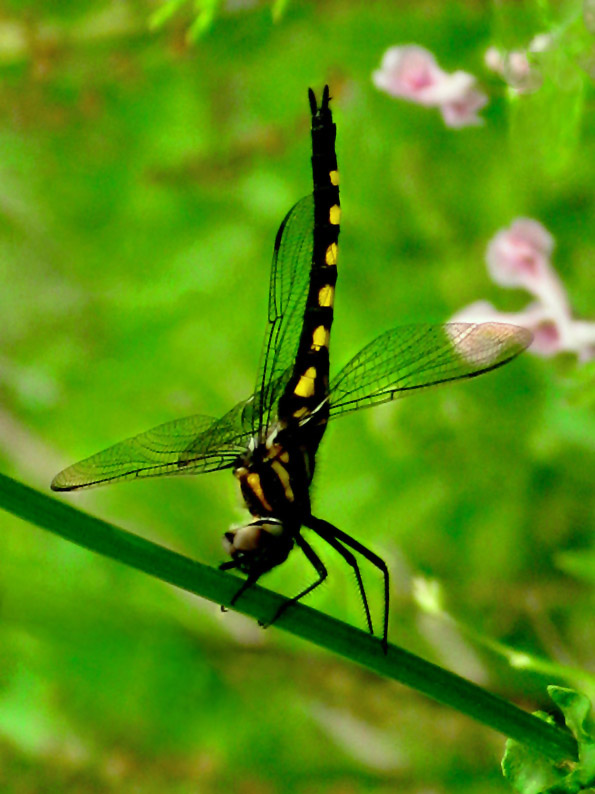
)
(416, 357)
(192, 445)
(198, 444)
(289, 284)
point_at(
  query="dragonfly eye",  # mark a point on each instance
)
(258, 546)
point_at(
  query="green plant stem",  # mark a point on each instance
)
(439, 684)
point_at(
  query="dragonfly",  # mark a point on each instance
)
(270, 439)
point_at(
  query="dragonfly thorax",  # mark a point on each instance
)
(274, 478)
(258, 546)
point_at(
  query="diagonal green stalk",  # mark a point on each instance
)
(439, 684)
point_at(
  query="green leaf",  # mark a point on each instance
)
(278, 9)
(527, 771)
(205, 11)
(205, 14)
(576, 708)
(578, 564)
(164, 13)
(530, 772)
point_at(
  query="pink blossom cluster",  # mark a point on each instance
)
(411, 72)
(519, 256)
(517, 67)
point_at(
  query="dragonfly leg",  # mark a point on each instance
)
(318, 566)
(246, 585)
(352, 562)
(331, 533)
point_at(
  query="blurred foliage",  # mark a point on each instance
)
(205, 12)
(142, 181)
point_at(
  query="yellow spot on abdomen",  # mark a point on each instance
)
(301, 412)
(331, 254)
(334, 177)
(326, 295)
(320, 337)
(334, 215)
(305, 386)
(253, 481)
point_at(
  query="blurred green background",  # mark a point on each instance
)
(142, 181)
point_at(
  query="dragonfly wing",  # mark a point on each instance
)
(289, 284)
(414, 357)
(200, 444)
(192, 445)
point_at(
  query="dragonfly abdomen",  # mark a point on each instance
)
(307, 389)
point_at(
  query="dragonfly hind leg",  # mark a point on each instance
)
(336, 538)
(352, 562)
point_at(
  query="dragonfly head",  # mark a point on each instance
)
(259, 546)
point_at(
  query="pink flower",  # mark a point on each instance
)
(513, 66)
(494, 60)
(520, 257)
(462, 110)
(517, 67)
(541, 43)
(582, 339)
(411, 72)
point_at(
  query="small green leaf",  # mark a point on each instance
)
(205, 14)
(164, 13)
(576, 708)
(530, 772)
(278, 9)
(579, 564)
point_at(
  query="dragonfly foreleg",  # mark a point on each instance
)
(318, 566)
(246, 585)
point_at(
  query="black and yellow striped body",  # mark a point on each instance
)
(307, 392)
(276, 471)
